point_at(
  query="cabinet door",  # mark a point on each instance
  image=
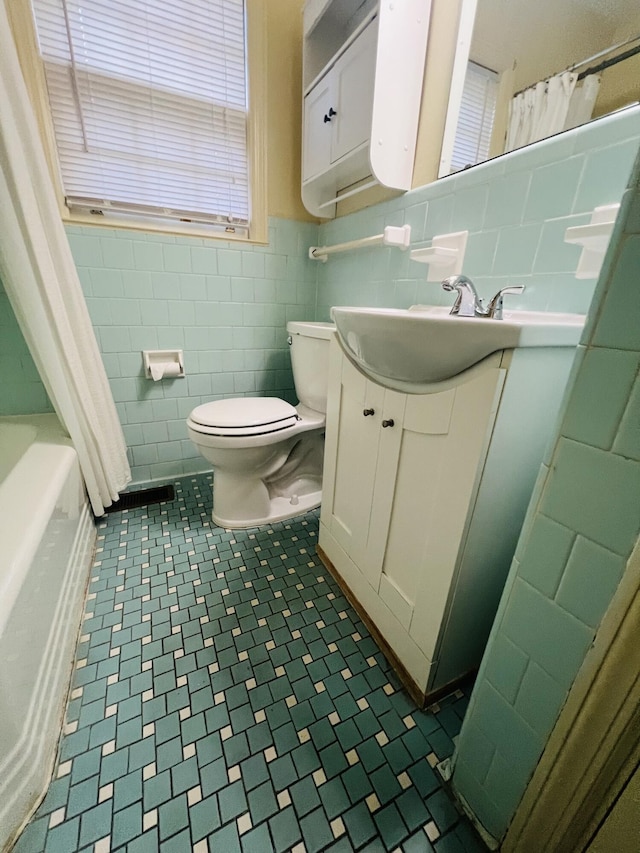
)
(420, 469)
(354, 77)
(443, 440)
(429, 534)
(317, 131)
(354, 448)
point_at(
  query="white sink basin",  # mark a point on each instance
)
(425, 343)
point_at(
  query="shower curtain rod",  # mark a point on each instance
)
(604, 52)
(607, 63)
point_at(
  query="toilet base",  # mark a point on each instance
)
(281, 508)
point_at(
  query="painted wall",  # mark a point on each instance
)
(226, 305)
(284, 109)
(621, 828)
(21, 389)
(619, 86)
(516, 209)
(580, 531)
(441, 51)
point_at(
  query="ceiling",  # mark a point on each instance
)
(539, 38)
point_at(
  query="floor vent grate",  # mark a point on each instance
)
(143, 497)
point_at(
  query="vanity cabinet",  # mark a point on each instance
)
(424, 496)
(363, 65)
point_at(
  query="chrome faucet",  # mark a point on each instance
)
(494, 308)
(469, 304)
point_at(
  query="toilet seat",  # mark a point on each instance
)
(243, 416)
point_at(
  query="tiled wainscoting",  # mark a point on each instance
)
(22, 390)
(226, 305)
(516, 209)
(227, 698)
(577, 538)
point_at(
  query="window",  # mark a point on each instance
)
(149, 106)
(475, 119)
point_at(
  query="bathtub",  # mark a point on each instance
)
(47, 535)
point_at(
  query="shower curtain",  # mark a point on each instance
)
(540, 111)
(40, 278)
(583, 101)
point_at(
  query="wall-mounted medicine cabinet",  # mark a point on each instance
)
(363, 65)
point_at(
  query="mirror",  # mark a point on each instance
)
(507, 46)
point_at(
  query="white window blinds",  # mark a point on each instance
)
(475, 119)
(149, 105)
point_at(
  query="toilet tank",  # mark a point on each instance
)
(310, 362)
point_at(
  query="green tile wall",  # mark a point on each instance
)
(21, 389)
(516, 209)
(226, 306)
(574, 545)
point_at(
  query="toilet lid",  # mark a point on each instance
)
(244, 416)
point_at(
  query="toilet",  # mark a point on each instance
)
(267, 454)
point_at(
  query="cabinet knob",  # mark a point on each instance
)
(328, 116)
(367, 412)
(388, 423)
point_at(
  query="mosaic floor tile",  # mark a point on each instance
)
(226, 697)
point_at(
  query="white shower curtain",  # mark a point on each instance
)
(40, 278)
(583, 101)
(540, 111)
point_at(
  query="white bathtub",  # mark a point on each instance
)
(47, 536)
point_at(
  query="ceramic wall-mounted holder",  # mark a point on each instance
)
(594, 239)
(163, 364)
(445, 255)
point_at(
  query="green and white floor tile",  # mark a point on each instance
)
(226, 697)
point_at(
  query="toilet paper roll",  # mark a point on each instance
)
(164, 369)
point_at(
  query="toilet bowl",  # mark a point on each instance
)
(266, 454)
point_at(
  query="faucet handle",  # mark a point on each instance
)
(494, 308)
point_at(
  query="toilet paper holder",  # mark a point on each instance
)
(163, 363)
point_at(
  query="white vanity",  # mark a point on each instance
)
(426, 481)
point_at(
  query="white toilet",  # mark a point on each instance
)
(267, 455)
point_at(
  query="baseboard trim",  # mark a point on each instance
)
(412, 688)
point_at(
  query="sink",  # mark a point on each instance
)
(401, 348)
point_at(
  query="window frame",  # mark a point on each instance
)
(491, 78)
(22, 23)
